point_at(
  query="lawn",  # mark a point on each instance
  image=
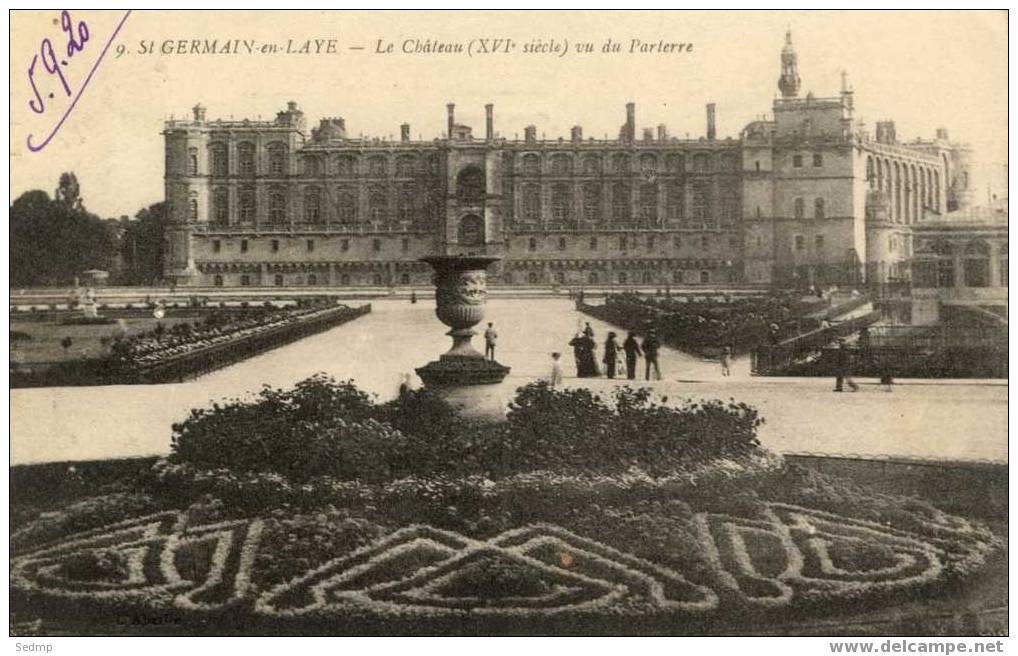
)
(44, 344)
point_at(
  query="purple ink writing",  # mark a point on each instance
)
(77, 36)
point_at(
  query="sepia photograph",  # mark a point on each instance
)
(509, 323)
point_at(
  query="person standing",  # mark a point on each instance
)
(490, 337)
(726, 361)
(632, 350)
(611, 354)
(583, 350)
(588, 331)
(651, 346)
(556, 370)
(843, 363)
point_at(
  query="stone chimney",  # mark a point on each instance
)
(404, 132)
(648, 134)
(942, 134)
(199, 112)
(530, 133)
(451, 111)
(712, 131)
(630, 121)
(576, 134)
(886, 133)
(489, 121)
(662, 132)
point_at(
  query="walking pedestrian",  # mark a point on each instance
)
(843, 364)
(490, 337)
(650, 347)
(611, 354)
(632, 350)
(556, 370)
(726, 357)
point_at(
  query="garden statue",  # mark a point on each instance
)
(460, 295)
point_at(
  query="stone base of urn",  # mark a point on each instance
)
(464, 377)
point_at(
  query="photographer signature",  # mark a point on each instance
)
(54, 65)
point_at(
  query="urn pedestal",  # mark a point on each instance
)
(462, 375)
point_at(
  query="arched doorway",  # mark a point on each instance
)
(471, 231)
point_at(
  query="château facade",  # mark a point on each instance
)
(808, 197)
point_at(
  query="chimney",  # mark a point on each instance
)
(885, 132)
(711, 126)
(451, 109)
(530, 133)
(942, 134)
(489, 124)
(648, 134)
(662, 132)
(576, 134)
(199, 112)
(631, 121)
(404, 132)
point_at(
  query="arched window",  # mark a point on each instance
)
(705, 277)
(677, 277)
(729, 162)
(346, 207)
(648, 163)
(591, 202)
(532, 203)
(620, 164)
(221, 206)
(277, 159)
(217, 280)
(592, 277)
(977, 264)
(192, 161)
(648, 277)
(344, 279)
(701, 163)
(623, 278)
(591, 165)
(560, 277)
(277, 280)
(246, 159)
(247, 205)
(220, 159)
(277, 206)
(561, 165)
(676, 164)
(561, 205)
(648, 203)
(378, 204)
(405, 203)
(245, 280)
(934, 265)
(621, 200)
(532, 277)
(871, 175)
(312, 205)
(818, 208)
(531, 164)
(192, 209)
(404, 279)
(376, 166)
(406, 166)
(800, 208)
(346, 166)
(470, 184)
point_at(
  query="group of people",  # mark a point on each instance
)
(613, 355)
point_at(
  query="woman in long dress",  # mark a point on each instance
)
(583, 351)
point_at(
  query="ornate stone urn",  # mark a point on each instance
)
(460, 294)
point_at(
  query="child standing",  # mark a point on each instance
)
(726, 359)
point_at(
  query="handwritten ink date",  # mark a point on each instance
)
(50, 66)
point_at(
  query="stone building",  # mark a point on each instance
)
(805, 198)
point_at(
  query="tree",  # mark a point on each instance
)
(68, 192)
(142, 245)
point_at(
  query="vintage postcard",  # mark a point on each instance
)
(509, 323)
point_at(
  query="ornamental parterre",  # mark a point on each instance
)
(784, 555)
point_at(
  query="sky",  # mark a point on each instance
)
(924, 70)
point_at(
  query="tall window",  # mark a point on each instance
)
(312, 205)
(246, 159)
(277, 159)
(818, 160)
(648, 203)
(221, 206)
(621, 199)
(818, 208)
(561, 165)
(346, 207)
(531, 164)
(406, 165)
(346, 166)
(701, 202)
(532, 203)
(674, 201)
(378, 203)
(561, 198)
(277, 206)
(977, 264)
(192, 161)
(591, 202)
(220, 159)
(405, 203)
(800, 208)
(701, 163)
(376, 166)
(247, 205)
(730, 203)
(470, 184)
(192, 209)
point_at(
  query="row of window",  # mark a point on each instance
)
(799, 242)
(649, 206)
(909, 188)
(309, 244)
(621, 164)
(798, 161)
(625, 242)
(941, 273)
(532, 277)
(410, 205)
(277, 155)
(819, 208)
